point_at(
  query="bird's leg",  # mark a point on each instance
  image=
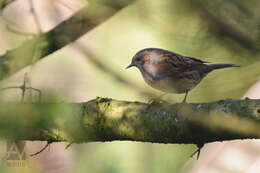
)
(157, 99)
(186, 94)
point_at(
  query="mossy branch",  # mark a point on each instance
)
(107, 120)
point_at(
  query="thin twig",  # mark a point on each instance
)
(48, 143)
(6, 88)
(197, 151)
(69, 144)
(23, 88)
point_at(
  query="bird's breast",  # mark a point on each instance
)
(165, 85)
(169, 84)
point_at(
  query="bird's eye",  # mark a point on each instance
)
(138, 59)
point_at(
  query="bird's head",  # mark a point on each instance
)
(138, 60)
(145, 56)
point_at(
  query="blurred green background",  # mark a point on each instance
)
(212, 30)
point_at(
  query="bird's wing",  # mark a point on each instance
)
(179, 66)
(181, 63)
(197, 60)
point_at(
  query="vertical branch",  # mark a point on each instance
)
(23, 88)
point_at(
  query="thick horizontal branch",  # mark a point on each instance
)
(63, 34)
(107, 120)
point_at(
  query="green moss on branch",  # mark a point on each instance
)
(105, 119)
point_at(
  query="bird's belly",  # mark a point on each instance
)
(170, 85)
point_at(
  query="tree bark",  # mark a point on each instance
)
(105, 119)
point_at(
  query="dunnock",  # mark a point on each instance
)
(170, 72)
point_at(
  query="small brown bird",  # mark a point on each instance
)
(170, 72)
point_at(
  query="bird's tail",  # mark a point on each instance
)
(222, 65)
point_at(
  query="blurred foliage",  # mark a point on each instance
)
(16, 122)
(238, 20)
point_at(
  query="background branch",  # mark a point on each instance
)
(63, 34)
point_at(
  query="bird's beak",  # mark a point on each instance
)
(130, 65)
